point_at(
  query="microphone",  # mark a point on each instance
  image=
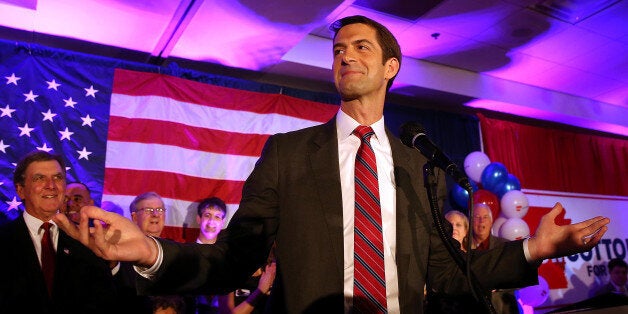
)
(413, 135)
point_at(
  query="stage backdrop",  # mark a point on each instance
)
(587, 174)
(126, 128)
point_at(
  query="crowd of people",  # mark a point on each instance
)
(85, 283)
(332, 218)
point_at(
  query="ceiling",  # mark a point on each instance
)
(556, 60)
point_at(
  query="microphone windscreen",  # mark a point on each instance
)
(408, 131)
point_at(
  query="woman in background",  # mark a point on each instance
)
(460, 223)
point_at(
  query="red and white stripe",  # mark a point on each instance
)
(187, 140)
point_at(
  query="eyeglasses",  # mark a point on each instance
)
(153, 211)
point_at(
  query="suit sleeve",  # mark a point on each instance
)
(240, 249)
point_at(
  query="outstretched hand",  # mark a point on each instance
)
(113, 237)
(552, 240)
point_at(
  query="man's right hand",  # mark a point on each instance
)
(116, 238)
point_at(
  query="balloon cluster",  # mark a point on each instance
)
(494, 187)
(500, 191)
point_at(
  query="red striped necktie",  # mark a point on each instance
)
(47, 256)
(369, 286)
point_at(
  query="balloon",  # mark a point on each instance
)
(514, 204)
(460, 196)
(493, 175)
(474, 186)
(514, 229)
(497, 224)
(511, 183)
(485, 197)
(534, 295)
(474, 164)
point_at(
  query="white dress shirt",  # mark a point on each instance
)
(37, 232)
(348, 145)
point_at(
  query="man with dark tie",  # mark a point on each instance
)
(42, 270)
(346, 205)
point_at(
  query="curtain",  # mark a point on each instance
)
(552, 159)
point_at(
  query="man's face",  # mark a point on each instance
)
(358, 68)
(460, 228)
(43, 191)
(619, 275)
(150, 223)
(482, 221)
(211, 222)
(77, 196)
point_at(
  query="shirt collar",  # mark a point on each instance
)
(34, 224)
(346, 124)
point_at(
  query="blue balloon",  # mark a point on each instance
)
(460, 196)
(474, 186)
(493, 175)
(511, 183)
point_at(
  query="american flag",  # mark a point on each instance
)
(124, 132)
(59, 106)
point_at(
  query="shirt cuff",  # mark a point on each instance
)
(116, 269)
(526, 251)
(149, 273)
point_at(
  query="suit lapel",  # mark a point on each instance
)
(63, 253)
(323, 156)
(406, 171)
(24, 243)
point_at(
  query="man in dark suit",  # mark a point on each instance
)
(79, 282)
(301, 194)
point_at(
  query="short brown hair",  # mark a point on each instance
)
(34, 156)
(388, 42)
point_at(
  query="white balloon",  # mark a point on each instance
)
(514, 204)
(534, 295)
(497, 224)
(514, 229)
(474, 164)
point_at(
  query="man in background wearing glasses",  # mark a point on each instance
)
(148, 212)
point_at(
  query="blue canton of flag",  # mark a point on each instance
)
(59, 105)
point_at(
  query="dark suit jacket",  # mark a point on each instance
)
(124, 281)
(504, 300)
(82, 283)
(296, 182)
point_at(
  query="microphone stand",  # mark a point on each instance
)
(463, 263)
